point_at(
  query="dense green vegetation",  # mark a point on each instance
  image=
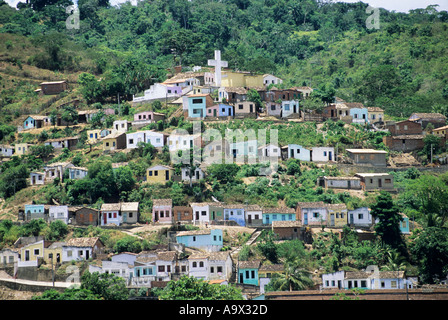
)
(401, 66)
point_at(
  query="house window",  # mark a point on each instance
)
(315, 214)
(219, 269)
(388, 181)
(36, 252)
(240, 107)
(197, 101)
(204, 213)
(363, 284)
(194, 238)
(201, 264)
(212, 270)
(131, 141)
(393, 284)
(161, 268)
(195, 264)
(360, 216)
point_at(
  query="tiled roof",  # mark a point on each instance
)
(279, 210)
(82, 242)
(319, 204)
(162, 202)
(194, 233)
(129, 206)
(110, 206)
(254, 264)
(272, 267)
(286, 224)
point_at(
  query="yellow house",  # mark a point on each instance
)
(159, 174)
(54, 251)
(247, 79)
(114, 141)
(93, 136)
(337, 215)
(267, 272)
(441, 132)
(33, 251)
(21, 149)
(375, 114)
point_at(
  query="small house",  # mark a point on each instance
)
(149, 116)
(220, 110)
(189, 175)
(322, 154)
(77, 172)
(245, 109)
(121, 125)
(21, 149)
(269, 151)
(53, 87)
(36, 122)
(134, 138)
(248, 272)
(37, 178)
(376, 181)
(31, 253)
(86, 217)
(368, 157)
(157, 139)
(235, 212)
(375, 115)
(201, 212)
(93, 136)
(6, 150)
(278, 214)
(130, 212)
(266, 272)
(254, 216)
(182, 214)
(81, 249)
(159, 174)
(406, 127)
(349, 183)
(436, 119)
(114, 141)
(210, 240)
(110, 214)
(404, 143)
(35, 211)
(286, 230)
(60, 143)
(441, 132)
(162, 211)
(360, 217)
(312, 213)
(337, 215)
(58, 213)
(196, 105)
(296, 151)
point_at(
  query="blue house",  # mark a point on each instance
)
(359, 115)
(278, 214)
(34, 211)
(197, 105)
(404, 225)
(35, 121)
(235, 213)
(209, 239)
(248, 272)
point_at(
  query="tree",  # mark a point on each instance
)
(13, 179)
(190, 288)
(57, 231)
(42, 151)
(431, 141)
(389, 218)
(225, 173)
(105, 285)
(90, 87)
(124, 179)
(430, 251)
(69, 115)
(68, 294)
(295, 277)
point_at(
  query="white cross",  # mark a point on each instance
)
(217, 63)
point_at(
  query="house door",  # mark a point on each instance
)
(305, 218)
(87, 254)
(167, 175)
(105, 218)
(214, 112)
(349, 184)
(351, 219)
(34, 180)
(332, 220)
(27, 255)
(197, 215)
(380, 183)
(241, 278)
(249, 219)
(58, 257)
(267, 219)
(330, 156)
(251, 108)
(234, 151)
(125, 217)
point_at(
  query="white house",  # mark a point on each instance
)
(132, 139)
(312, 213)
(333, 280)
(81, 249)
(371, 279)
(240, 150)
(77, 172)
(196, 175)
(201, 212)
(157, 139)
(210, 266)
(298, 152)
(6, 151)
(118, 268)
(127, 257)
(322, 154)
(58, 213)
(254, 215)
(269, 151)
(270, 79)
(360, 217)
(110, 213)
(121, 125)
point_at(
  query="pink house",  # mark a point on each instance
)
(162, 210)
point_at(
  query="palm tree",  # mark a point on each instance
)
(295, 277)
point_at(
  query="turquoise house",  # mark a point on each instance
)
(140, 271)
(197, 105)
(210, 240)
(278, 214)
(248, 272)
(360, 115)
(34, 211)
(404, 225)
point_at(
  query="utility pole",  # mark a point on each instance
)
(431, 153)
